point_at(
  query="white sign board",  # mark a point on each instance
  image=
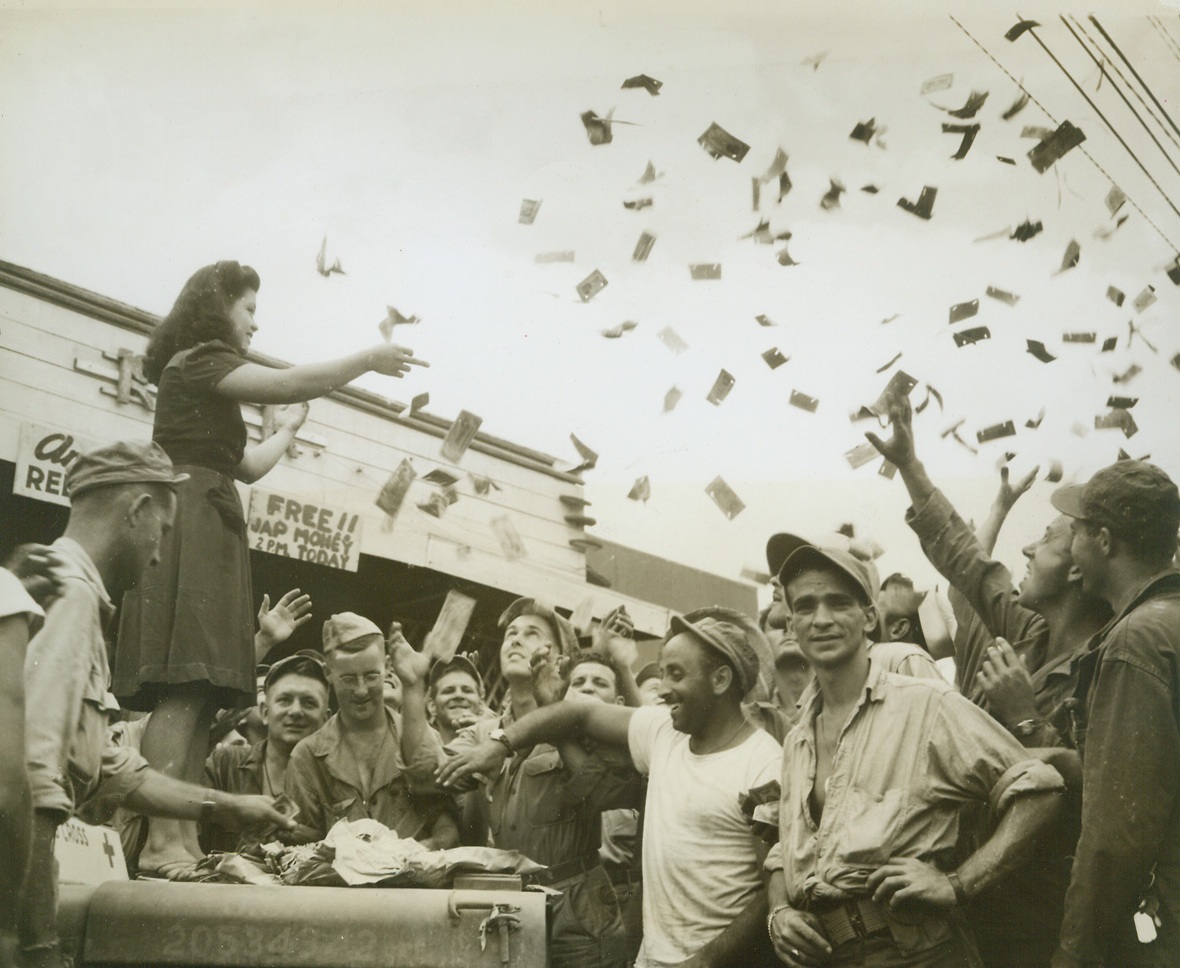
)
(88, 855)
(43, 455)
(294, 528)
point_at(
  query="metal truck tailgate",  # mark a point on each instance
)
(141, 923)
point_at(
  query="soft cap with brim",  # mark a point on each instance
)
(457, 663)
(1136, 500)
(123, 462)
(1068, 500)
(564, 635)
(825, 558)
(779, 548)
(728, 639)
(304, 663)
(347, 627)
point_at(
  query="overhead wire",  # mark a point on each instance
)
(1173, 47)
(1094, 107)
(1020, 85)
(1135, 73)
(1118, 90)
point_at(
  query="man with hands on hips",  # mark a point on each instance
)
(866, 871)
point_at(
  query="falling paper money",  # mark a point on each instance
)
(321, 259)
(1061, 141)
(442, 642)
(547, 257)
(774, 358)
(968, 132)
(442, 478)
(1026, 230)
(996, 431)
(1073, 254)
(419, 401)
(940, 82)
(394, 318)
(393, 492)
(724, 497)
(1115, 199)
(764, 320)
(506, 533)
(784, 257)
(589, 457)
(591, 286)
(864, 130)
(671, 339)
(649, 174)
(1008, 298)
(483, 484)
(900, 385)
(616, 331)
(924, 206)
(640, 490)
(777, 166)
(1034, 422)
(1079, 338)
(1056, 472)
(705, 270)
(1116, 296)
(1020, 27)
(528, 210)
(649, 84)
(1121, 419)
(831, 199)
(1122, 403)
(671, 398)
(598, 130)
(970, 108)
(721, 144)
(803, 401)
(963, 310)
(721, 387)
(1109, 344)
(1131, 372)
(860, 455)
(1144, 299)
(1015, 107)
(643, 247)
(1037, 349)
(967, 337)
(436, 505)
(638, 204)
(460, 435)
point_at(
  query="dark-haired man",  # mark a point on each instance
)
(874, 778)
(454, 697)
(1123, 903)
(294, 705)
(703, 899)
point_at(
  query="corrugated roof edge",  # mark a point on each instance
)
(108, 310)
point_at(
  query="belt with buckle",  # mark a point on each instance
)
(851, 920)
(566, 869)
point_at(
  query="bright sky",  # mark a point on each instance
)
(139, 142)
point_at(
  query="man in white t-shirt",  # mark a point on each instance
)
(704, 902)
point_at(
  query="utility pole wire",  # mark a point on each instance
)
(1131, 68)
(1082, 148)
(1115, 87)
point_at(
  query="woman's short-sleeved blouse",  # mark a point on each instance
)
(193, 423)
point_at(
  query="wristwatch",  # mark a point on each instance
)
(499, 736)
(1026, 727)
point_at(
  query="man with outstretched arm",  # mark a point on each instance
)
(875, 775)
(704, 903)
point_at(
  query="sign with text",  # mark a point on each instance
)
(88, 855)
(43, 455)
(300, 529)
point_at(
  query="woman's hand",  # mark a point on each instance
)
(291, 417)
(391, 360)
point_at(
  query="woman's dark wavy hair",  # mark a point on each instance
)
(201, 313)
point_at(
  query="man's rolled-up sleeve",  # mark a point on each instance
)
(123, 772)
